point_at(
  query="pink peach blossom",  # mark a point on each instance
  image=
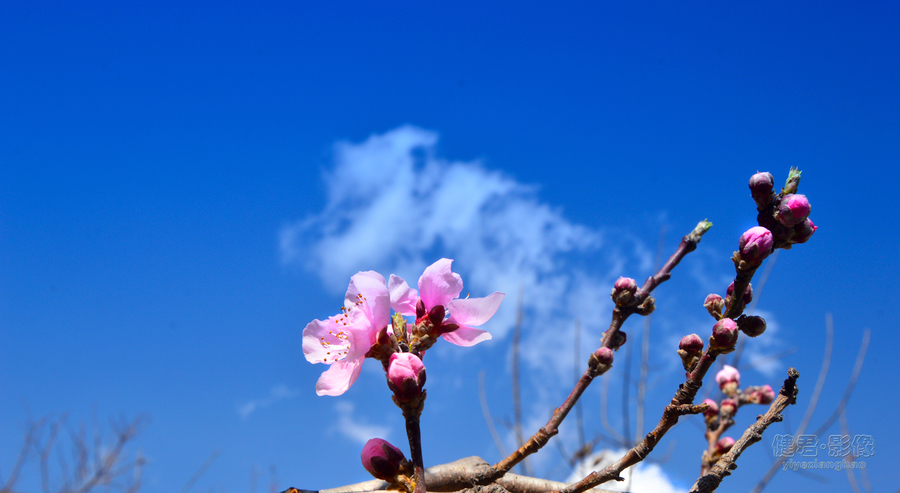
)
(440, 287)
(343, 340)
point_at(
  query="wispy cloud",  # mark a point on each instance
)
(356, 428)
(279, 392)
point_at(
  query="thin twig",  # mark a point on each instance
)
(202, 469)
(482, 396)
(757, 294)
(645, 348)
(848, 391)
(517, 399)
(845, 430)
(680, 405)
(23, 454)
(604, 419)
(644, 302)
(626, 384)
(860, 357)
(579, 414)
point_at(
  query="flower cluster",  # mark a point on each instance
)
(785, 215)
(361, 330)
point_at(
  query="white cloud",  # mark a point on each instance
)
(645, 478)
(393, 206)
(354, 427)
(277, 393)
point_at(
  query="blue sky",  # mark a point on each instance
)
(183, 187)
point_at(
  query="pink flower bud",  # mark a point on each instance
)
(724, 445)
(748, 293)
(761, 185)
(803, 231)
(420, 310)
(713, 408)
(794, 208)
(381, 459)
(752, 325)
(690, 349)
(725, 334)
(728, 407)
(406, 376)
(623, 291)
(692, 344)
(756, 244)
(436, 315)
(726, 375)
(714, 305)
(618, 339)
(761, 395)
(604, 356)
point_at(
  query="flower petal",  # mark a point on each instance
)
(339, 377)
(466, 336)
(368, 287)
(438, 284)
(403, 298)
(337, 338)
(474, 311)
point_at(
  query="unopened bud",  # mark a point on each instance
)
(600, 361)
(761, 185)
(724, 445)
(728, 407)
(752, 325)
(803, 231)
(647, 307)
(725, 334)
(406, 376)
(604, 355)
(756, 244)
(748, 293)
(618, 339)
(420, 309)
(436, 315)
(623, 291)
(728, 379)
(714, 304)
(760, 395)
(690, 349)
(692, 344)
(381, 459)
(794, 208)
(713, 410)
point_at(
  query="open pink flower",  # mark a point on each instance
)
(343, 340)
(439, 286)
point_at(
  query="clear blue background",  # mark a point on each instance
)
(152, 155)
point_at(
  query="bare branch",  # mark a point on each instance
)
(542, 436)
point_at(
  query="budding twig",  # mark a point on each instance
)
(788, 395)
(543, 435)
